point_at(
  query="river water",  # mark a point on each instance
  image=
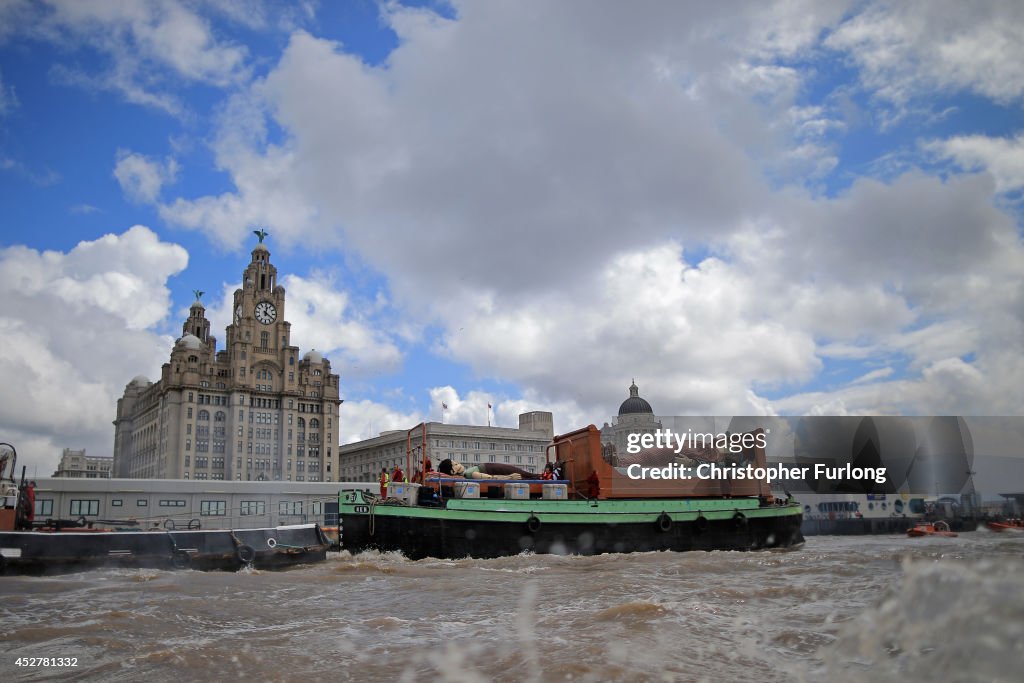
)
(839, 609)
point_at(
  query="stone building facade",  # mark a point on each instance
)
(635, 417)
(523, 447)
(75, 463)
(253, 411)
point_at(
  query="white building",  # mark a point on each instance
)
(75, 463)
(522, 447)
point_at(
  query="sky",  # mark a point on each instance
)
(750, 208)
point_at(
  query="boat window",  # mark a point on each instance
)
(117, 502)
(898, 506)
(286, 507)
(253, 507)
(141, 502)
(216, 508)
(917, 506)
(80, 508)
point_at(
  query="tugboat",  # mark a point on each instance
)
(63, 545)
(595, 508)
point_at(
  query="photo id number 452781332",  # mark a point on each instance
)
(47, 661)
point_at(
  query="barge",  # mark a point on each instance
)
(596, 508)
(70, 549)
(51, 546)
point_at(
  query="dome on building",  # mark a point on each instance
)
(314, 356)
(190, 341)
(139, 379)
(634, 404)
(260, 247)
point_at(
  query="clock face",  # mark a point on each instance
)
(265, 312)
(238, 314)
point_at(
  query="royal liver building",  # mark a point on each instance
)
(255, 410)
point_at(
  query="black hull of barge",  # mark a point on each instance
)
(26, 552)
(418, 538)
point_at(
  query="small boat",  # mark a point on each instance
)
(1006, 525)
(594, 509)
(939, 528)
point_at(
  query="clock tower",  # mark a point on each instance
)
(254, 411)
(258, 310)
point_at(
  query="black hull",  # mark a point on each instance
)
(417, 538)
(25, 552)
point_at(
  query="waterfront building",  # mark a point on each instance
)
(635, 417)
(469, 444)
(75, 463)
(256, 410)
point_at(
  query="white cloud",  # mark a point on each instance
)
(145, 46)
(910, 49)
(366, 419)
(141, 178)
(694, 337)
(530, 176)
(76, 327)
(325, 318)
(1001, 157)
(880, 373)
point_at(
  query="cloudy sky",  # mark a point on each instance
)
(751, 208)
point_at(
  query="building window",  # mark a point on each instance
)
(212, 508)
(81, 508)
(141, 503)
(172, 503)
(44, 508)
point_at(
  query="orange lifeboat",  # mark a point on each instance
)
(1006, 525)
(939, 528)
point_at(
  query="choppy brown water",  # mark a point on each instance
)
(884, 608)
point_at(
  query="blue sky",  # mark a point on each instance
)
(783, 208)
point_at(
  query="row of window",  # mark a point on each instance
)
(492, 446)
(210, 508)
